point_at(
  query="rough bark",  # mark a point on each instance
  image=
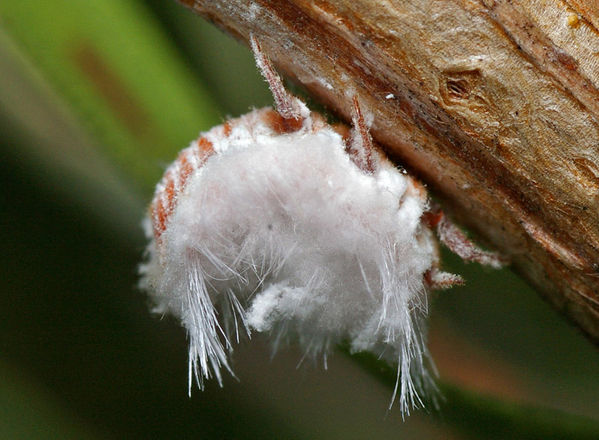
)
(493, 103)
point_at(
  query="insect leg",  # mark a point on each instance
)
(288, 106)
(436, 279)
(361, 148)
(453, 237)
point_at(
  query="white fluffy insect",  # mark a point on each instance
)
(278, 222)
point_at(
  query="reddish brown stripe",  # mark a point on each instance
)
(279, 124)
(160, 212)
(205, 146)
(206, 150)
(164, 203)
(158, 218)
(169, 191)
(186, 169)
(227, 129)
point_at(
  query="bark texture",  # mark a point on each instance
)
(493, 103)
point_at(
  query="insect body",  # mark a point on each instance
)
(276, 222)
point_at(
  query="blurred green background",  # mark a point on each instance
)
(96, 98)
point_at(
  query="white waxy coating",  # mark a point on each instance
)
(283, 233)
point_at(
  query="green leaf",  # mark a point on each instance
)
(124, 79)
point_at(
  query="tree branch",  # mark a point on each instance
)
(493, 103)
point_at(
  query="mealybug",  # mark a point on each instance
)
(278, 222)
